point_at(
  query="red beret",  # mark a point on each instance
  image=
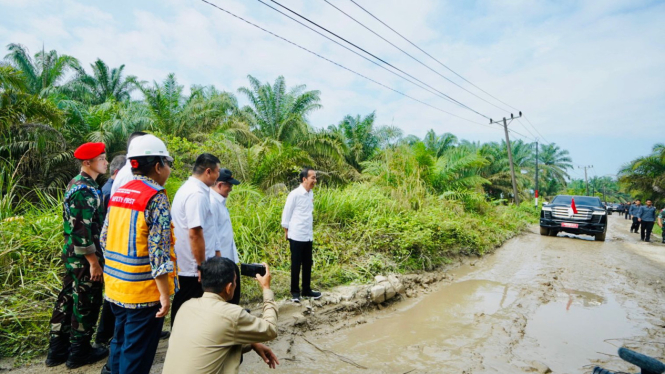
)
(89, 151)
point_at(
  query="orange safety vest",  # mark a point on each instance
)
(127, 271)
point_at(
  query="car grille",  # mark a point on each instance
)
(582, 214)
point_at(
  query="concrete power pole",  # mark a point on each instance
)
(586, 180)
(510, 155)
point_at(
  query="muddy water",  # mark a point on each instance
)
(560, 301)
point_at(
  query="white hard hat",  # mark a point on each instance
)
(146, 146)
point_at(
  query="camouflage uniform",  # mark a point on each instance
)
(77, 307)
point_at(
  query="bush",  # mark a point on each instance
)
(361, 230)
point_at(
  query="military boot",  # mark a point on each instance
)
(82, 353)
(58, 350)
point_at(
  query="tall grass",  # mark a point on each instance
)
(361, 230)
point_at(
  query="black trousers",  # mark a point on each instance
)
(645, 232)
(626, 213)
(106, 325)
(301, 255)
(190, 288)
(636, 225)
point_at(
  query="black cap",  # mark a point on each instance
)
(225, 175)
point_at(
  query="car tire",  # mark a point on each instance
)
(544, 231)
(553, 232)
(600, 237)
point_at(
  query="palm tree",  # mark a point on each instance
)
(644, 177)
(19, 106)
(44, 73)
(103, 85)
(278, 117)
(553, 163)
(359, 135)
(204, 110)
(437, 145)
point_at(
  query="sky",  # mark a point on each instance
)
(588, 75)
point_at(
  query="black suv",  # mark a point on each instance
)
(590, 219)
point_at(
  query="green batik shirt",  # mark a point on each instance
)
(83, 215)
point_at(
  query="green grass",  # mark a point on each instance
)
(360, 230)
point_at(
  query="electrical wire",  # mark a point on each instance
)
(376, 57)
(534, 127)
(411, 56)
(356, 53)
(432, 57)
(342, 66)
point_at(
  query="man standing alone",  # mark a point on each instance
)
(634, 211)
(194, 228)
(298, 224)
(77, 307)
(647, 217)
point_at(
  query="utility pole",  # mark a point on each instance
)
(586, 180)
(536, 189)
(510, 155)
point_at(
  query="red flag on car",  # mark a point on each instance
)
(572, 206)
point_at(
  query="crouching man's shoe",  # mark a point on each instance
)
(83, 354)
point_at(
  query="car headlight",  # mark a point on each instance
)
(599, 213)
(547, 209)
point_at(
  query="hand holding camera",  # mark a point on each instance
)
(260, 272)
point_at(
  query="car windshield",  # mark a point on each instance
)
(579, 200)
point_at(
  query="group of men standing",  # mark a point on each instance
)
(643, 218)
(128, 249)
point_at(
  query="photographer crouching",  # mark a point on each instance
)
(210, 334)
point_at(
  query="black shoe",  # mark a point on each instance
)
(164, 335)
(58, 351)
(312, 294)
(82, 354)
(106, 369)
(663, 241)
(295, 297)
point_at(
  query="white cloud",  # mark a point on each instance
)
(587, 70)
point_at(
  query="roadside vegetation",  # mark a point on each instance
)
(386, 201)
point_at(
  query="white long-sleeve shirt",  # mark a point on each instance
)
(123, 177)
(298, 215)
(225, 243)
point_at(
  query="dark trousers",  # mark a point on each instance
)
(645, 232)
(236, 293)
(106, 325)
(135, 341)
(626, 217)
(190, 288)
(636, 225)
(77, 306)
(301, 255)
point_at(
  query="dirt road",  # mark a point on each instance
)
(563, 303)
(560, 302)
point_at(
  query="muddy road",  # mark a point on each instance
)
(563, 302)
(538, 303)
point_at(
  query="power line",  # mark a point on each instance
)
(432, 57)
(342, 66)
(534, 127)
(378, 58)
(356, 53)
(408, 54)
(526, 128)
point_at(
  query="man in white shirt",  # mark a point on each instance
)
(193, 227)
(219, 192)
(298, 224)
(125, 175)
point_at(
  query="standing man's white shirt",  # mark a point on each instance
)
(298, 216)
(226, 245)
(123, 177)
(191, 209)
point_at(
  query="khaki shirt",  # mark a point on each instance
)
(209, 333)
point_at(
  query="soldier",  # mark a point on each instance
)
(77, 307)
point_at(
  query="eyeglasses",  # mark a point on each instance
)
(167, 162)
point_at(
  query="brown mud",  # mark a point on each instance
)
(538, 304)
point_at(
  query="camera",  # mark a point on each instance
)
(251, 270)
